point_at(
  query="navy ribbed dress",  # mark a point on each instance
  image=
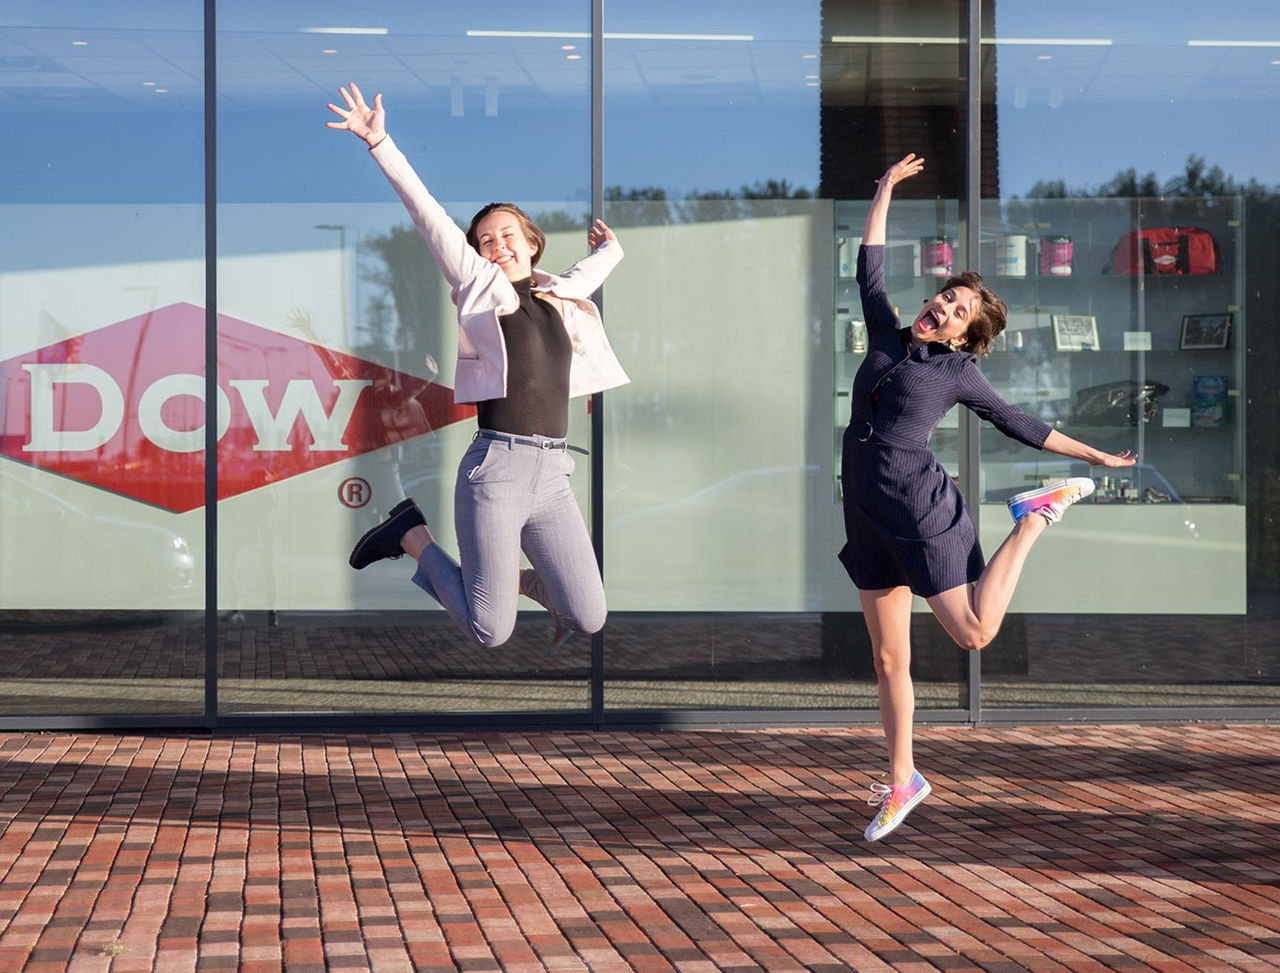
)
(905, 521)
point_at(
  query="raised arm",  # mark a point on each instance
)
(877, 309)
(455, 257)
(598, 233)
(873, 233)
(976, 393)
(582, 279)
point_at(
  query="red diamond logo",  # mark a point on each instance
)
(122, 408)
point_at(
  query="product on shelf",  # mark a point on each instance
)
(1166, 250)
(1056, 255)
(937, 257)
(1011, 255)
(1117, 403)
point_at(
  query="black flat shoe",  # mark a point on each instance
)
(383, 542)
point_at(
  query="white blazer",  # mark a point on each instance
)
(482, 294)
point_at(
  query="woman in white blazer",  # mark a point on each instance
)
(528, 341)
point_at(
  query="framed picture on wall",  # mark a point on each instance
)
(1075, 332)
(1206, 331)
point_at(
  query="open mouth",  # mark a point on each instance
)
(927, 323)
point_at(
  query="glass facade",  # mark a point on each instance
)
(1135, 328)
(188, 248)
(318, 259)
(101, 282)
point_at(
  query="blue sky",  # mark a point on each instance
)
(685, 115)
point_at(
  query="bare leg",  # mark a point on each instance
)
(417, 540)
(972, 613)
(887, 612)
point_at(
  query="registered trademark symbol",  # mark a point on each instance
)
(355, 492)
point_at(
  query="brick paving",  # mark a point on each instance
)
(1043, 848)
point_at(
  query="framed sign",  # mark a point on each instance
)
(1206, 331)
(1075, 332)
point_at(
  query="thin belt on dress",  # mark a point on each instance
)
(864, 432)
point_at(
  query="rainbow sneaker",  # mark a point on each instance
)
(895, 804)
(1051, 500)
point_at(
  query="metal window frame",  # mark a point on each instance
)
(211, 363)
(970, 432)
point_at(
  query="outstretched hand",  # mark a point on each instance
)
(1125, 458)
(358, 118)
(598, 233)
(906, 167)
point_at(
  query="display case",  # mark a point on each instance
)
(1126, 330)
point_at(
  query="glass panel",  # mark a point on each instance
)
(1130, 215)
(101, 282)
(339, 340)
(726, 181)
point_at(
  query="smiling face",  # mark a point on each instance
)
(500, 239)
(946, 317)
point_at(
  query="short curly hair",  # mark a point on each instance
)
(990, 318)
(537, 239)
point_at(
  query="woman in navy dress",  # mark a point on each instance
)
(907, 528)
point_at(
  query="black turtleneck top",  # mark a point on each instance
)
(538, 357)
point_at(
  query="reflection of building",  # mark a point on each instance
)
(893, 82)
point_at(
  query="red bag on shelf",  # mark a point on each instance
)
(1167, 250)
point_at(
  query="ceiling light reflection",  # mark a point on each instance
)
(1233, 43)
(345, 30)
(611, 36)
